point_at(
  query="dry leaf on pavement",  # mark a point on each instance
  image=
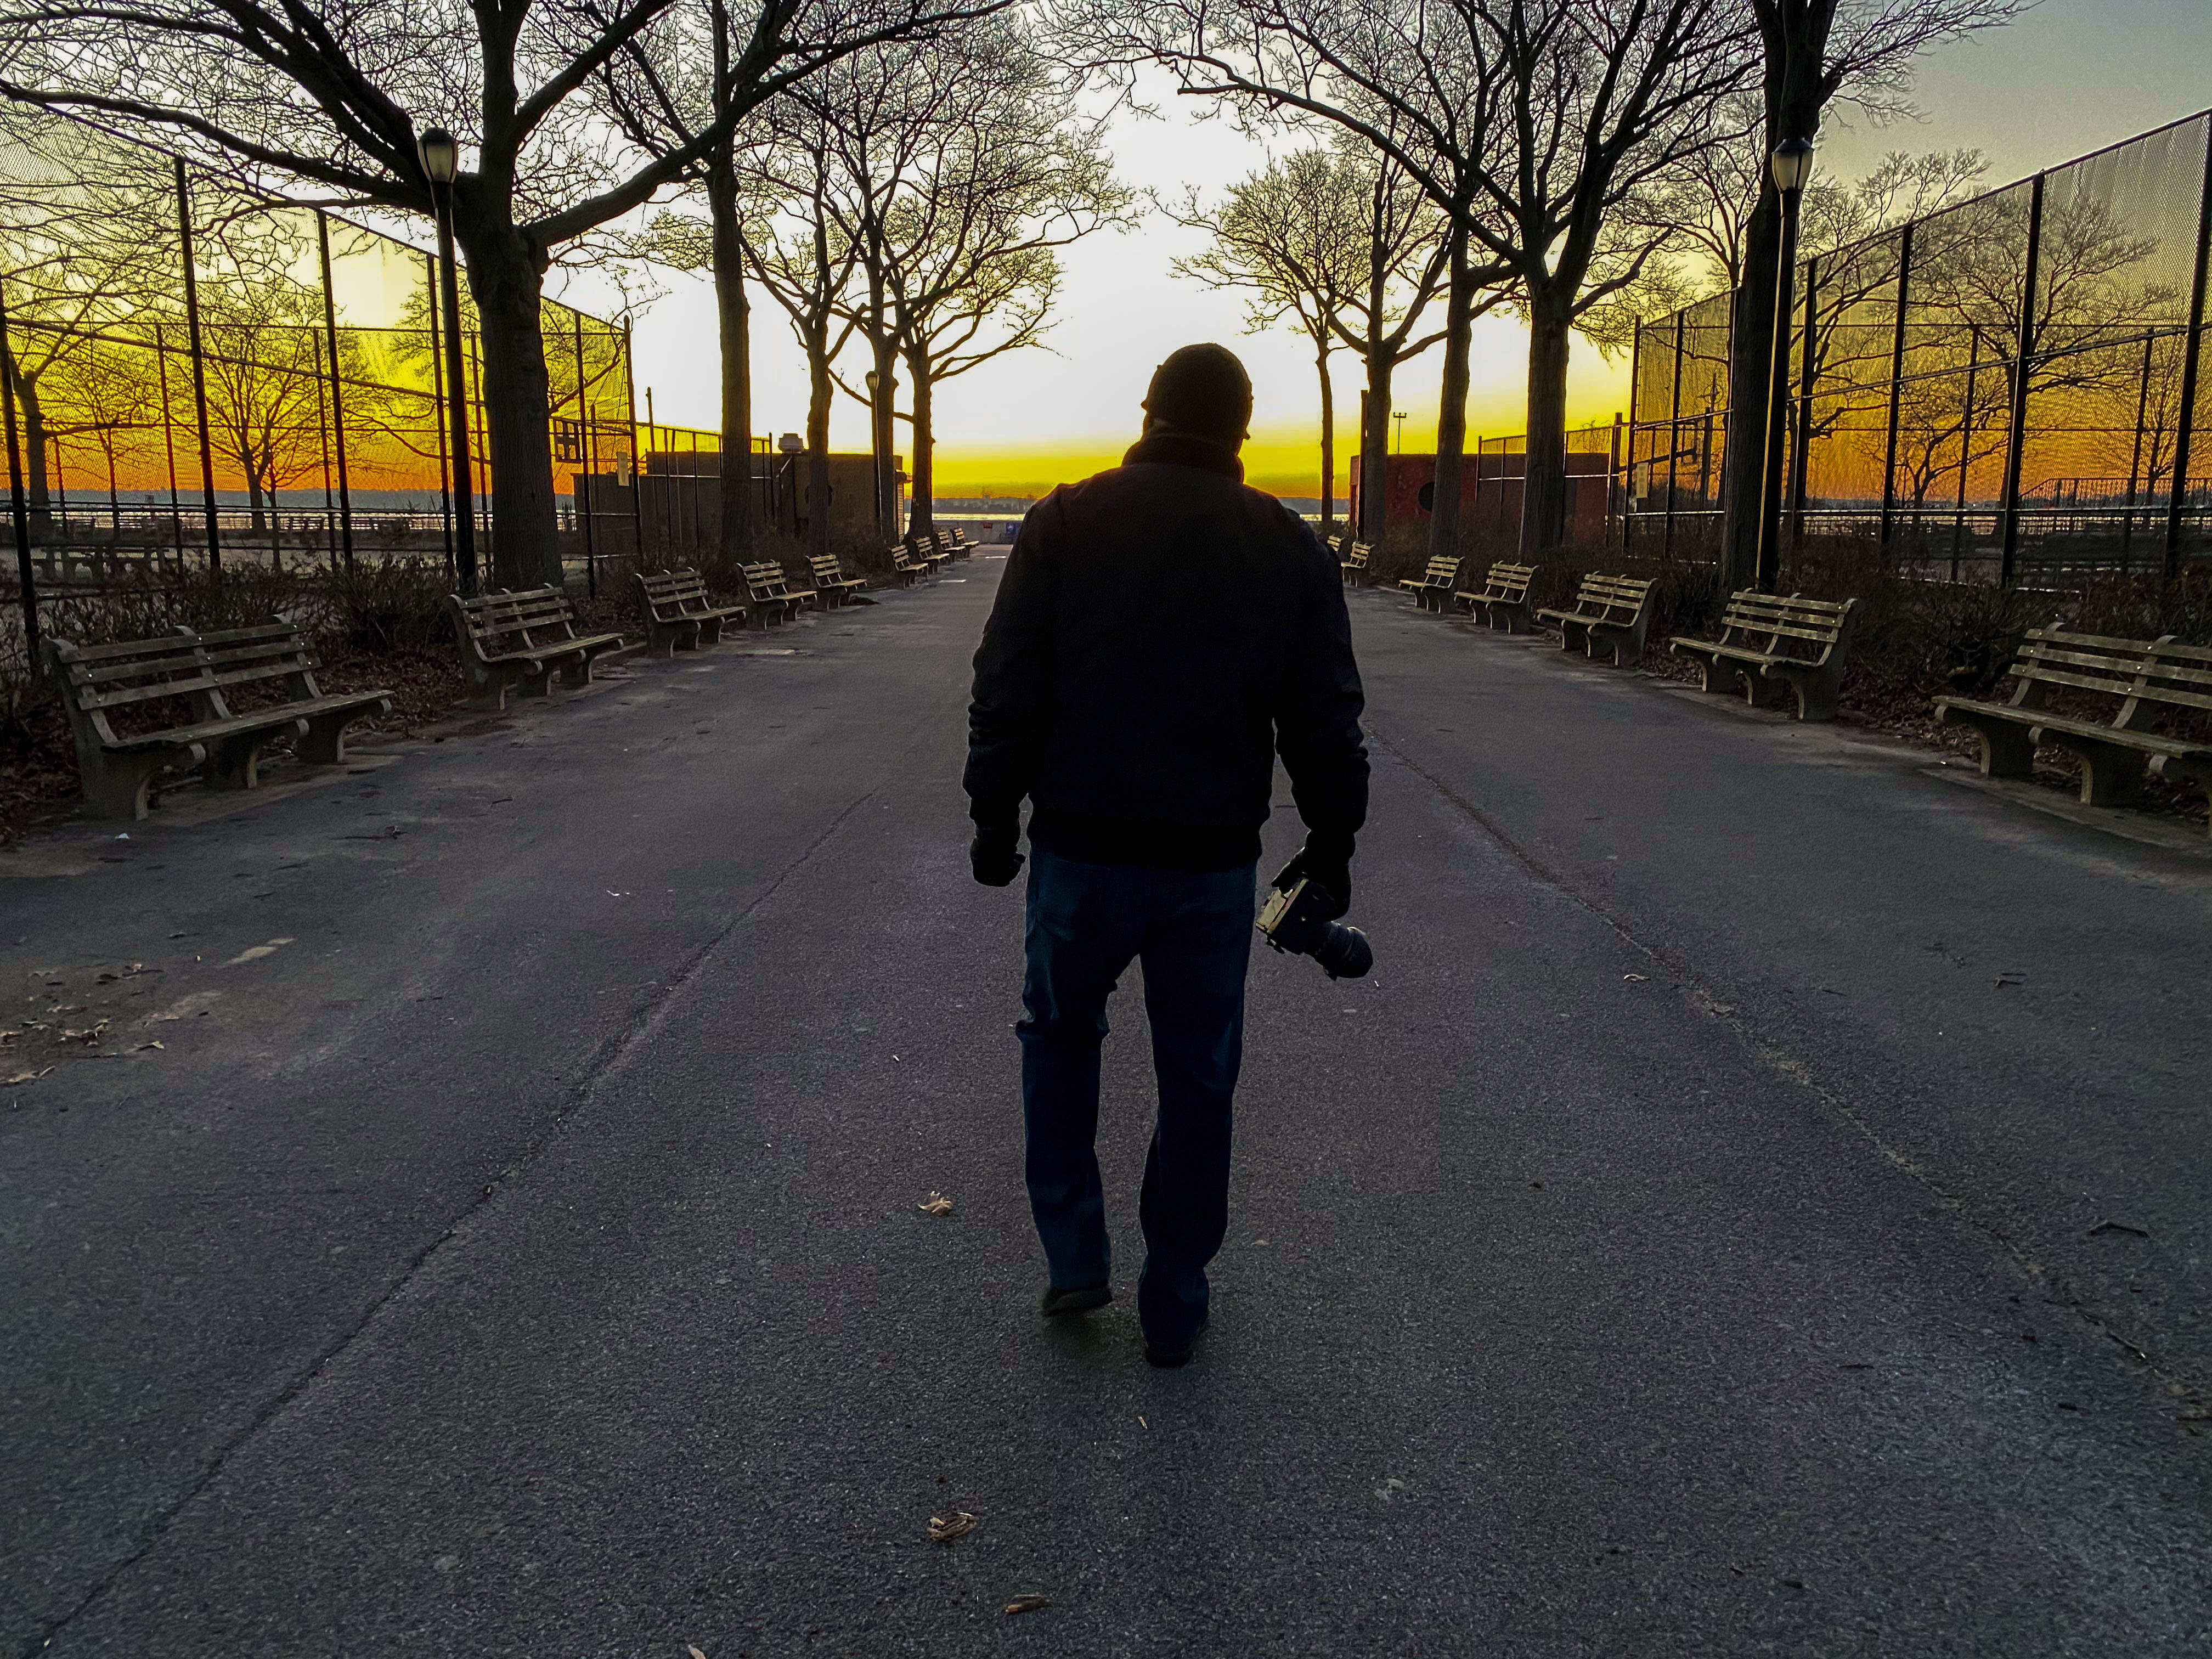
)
(937, 1204)
(24, 1077)
(1027, 1604)
(693, 1651)
(943, 1528)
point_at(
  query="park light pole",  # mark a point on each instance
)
(441, 156)
(1792, 162)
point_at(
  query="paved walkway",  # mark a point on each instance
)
(1757, 1207)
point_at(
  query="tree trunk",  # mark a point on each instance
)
(883, 422)
(923, 518)
(1374, 444)
(1328, 435)
(41, 501)
(1451, 408)
(1794, 35)
(1544, 470)
(1751, 376)
(506, 279)
(819, 392)
(734, 312)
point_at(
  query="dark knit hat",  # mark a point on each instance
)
(1204, 391)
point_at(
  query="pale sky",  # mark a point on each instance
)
(2070, 77)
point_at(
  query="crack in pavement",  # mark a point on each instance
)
(611, 1051)
(2057, 1291)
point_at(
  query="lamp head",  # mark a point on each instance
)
(1792, 162)
(791, 443)
(439, 153)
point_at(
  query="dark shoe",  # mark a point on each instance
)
(1082, 1299)
(1167, 1359)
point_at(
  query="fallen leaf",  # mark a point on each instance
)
(1633, 979)
(74, 1008)
(937, 1204)
(2007, 980)
(24, 1077)
(8, 1039)
(144, 1047)
(943, 1528)
(687, 1648)
(88, 1035)
(1027, 1604)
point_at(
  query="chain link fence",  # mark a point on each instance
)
(199, 376)
(2010, 390)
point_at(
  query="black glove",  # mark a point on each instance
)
(1325, 860)
(994, 854)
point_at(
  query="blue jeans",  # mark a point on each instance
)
(1194, 933)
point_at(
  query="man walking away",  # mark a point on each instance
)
(1161, 634)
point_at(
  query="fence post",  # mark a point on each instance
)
(169, 439)
(1673, 436)
(199, 374)
(2023, 348)
(1802, 439)
(1613, 477)
(1635, 381)
(636, 456)
(439, 416)
(19, 509)
(1896, 386)
(580, 485)
(337, 393)
(2192, 351)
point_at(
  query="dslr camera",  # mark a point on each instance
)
(1295, 919)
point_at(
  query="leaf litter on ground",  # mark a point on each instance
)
(935, 1204)
(943, 1528)
(1027, 1604)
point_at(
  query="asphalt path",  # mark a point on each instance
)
(1755, 1208)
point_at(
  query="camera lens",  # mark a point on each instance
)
(1344, 952)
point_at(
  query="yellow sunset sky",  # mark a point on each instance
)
(2070, 76)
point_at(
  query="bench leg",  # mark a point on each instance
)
(2007, 751)
(2110, 776)
(1816, 694)
(324, 743)
(574, 671)
(1568, 631)
(487, 691)
(116, 786)
(235, 763)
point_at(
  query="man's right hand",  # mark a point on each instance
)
(1326, 862)
(996, 854)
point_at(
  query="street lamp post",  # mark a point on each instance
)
(440, 157)
(1792, 162)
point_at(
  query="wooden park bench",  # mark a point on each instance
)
(831, 582)
(930, 550)
(1611, 614)
(517, 641)
(905, 566)
(131, 682)
(957, 543)
(1351, 557)
(1431, 587)
(678, 614)
(1768, 640)
(1504, 595)
(774, 599)
(2151, 680)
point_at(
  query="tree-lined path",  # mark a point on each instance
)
(1728, 1224)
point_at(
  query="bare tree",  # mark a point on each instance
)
(1814, 54)
(88, 243)
(1293, 236)
(291, 92)
(807, 263)
(1530, 125)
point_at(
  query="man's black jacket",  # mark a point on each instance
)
(1161, 633)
